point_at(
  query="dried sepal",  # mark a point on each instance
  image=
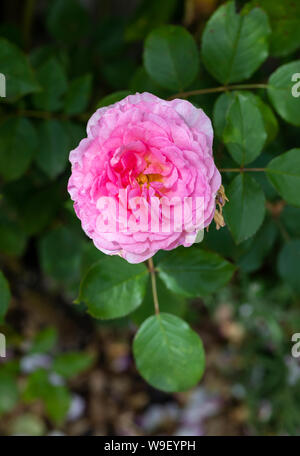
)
(221, 200)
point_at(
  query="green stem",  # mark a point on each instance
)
(85, 116)
(27, 22)
(153, 283)
(218, 89)
(52, 115)
(241, 170)
(285, 235)
(36, 114)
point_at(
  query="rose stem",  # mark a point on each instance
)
(241, 170)
(153, 283)
(218, 89)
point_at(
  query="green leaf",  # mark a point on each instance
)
(20, 79)
(34, 213)
(118, 72)
(44, 341)
(284, 92)
(149, 15)
(67, 21)
(41, 54)
(225, 101)
(72, 363)
(288, 264)
(4, 296)
(168, 354)
(221, 108)
(18, 143)
(245, 211)
(284, 173)
(90, 256)
(113, 98)
(56, 399)
(60, 254)
(244, 134)
(52, 156)
(269, 119)
(220, 241)
(290, 217)
(57, 403)
(194, 272)
(9, 392)
(113, 288)
(11, 367)
(53, 81)
(109, 37)
(235, 45)
(78, 95)
(36, 386)
(252, 259)
(284, 18)
(141, 82)
(168, 302)
(12, 238)
(261, 177)
(76, 132)
(171, 57)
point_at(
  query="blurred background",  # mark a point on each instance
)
(66, 373)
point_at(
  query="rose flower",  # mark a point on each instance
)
(142, 176)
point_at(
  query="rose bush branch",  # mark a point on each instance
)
(241, 170)
(153, 284)
(218, 89)
(85, 116)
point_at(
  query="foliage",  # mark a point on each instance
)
(43, 377)
(53, 87)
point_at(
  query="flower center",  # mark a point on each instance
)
(142, 179)
(147, 178)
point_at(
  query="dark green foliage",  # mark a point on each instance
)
(81, 60)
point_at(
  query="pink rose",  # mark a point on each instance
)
(140, 151)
